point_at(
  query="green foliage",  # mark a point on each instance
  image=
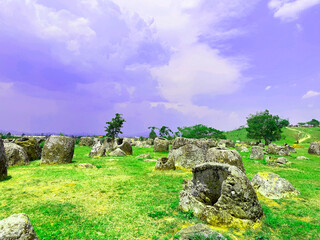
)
(152, 133)
(263, 125)
(61, 134)
(314, 122)
(113, 128)
(157, 214)
(165, 132)
(200, 131)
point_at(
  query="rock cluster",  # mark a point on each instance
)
(220, 194)
(278, 150)
(31, 146)
(164, 163)
(58, 150)
(110, 146)
(3, 162)
(273, 186)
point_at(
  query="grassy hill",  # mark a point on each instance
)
(288, 135)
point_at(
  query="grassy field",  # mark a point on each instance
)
(124, 198)
(288, 135)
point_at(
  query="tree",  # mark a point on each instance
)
(263, 125)
(152, 133)
(165, 132)
(298, 136)
(113, 128)
(301, 124)
(314, 122)
(200, 131)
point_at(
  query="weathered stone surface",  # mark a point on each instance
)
(275, 161)
(86, 165)
(86, 141)
(149, 141)
(243, 149)
(221, 194)
(17, 227)
(302, 158)
(3, 162)
(273, 186)
(188, 156)
(198, 231)
(97, 150)
(227, 143)
(117, 153)
(58, 150)
(282, 160)
(314, 148)
(257, 153)
(261, 145)
(144, 156)
(200, 143)
(124, 145)
(16, 155)
(278, 150)
(164, 163)
(161, 145)
(223, 155)
(31, 146)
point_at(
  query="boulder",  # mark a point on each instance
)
(302, 158)
(97, 150)
(86, 165)
(117, 153)
(223, 155)
(161, 145)
(278, 150)
(201, 143)
(58, 150)
(164, 163)
(273, 186)
(17, 227)
(198, 231)
(187, 156)
(227, 143)
(282, 160)
(261, 145)
(3, 162)
(86, 141)
(31, 146)
(149, 141)
(124, 145)
(314, 148)
(221, 194)
(243, 149)
(144, 156)
(257, 153)
(16, 155)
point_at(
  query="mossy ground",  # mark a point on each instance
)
(124, 198)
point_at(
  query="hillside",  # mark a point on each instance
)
(288, 135)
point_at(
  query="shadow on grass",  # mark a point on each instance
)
(6, 179)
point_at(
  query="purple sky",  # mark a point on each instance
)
(69, 66)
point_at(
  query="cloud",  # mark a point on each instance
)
(289, 10)
(67, 57)
(268, 88)
(310, 94)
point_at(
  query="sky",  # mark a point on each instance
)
(69, 66)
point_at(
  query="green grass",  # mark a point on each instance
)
(124, 198)
(288, 135)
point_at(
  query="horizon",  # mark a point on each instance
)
(70, 66)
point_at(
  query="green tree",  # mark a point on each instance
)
(113, 128)
(314, 122)
(152, 133)
(263, 125)
(164, 131)
(200, 131)
(301, 124)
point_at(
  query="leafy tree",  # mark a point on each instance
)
(152, 133)
(113, 128)
(200, 131)
(314, 122)
(9, 134)
(263, 125)
(164, 131)
(298, 136)
(301, 123)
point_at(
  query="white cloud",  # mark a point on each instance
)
(310, 94)
(289, 10)
(268, 88)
